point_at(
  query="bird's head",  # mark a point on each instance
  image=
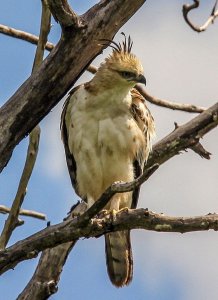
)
(122, 66)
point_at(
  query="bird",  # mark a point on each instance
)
(107, 133)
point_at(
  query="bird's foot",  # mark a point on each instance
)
(124, 209)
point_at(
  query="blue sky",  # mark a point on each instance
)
(180, 65)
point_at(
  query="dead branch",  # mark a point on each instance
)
(169, 104)
(124, 220)
(185, 136)
(63, 14)
(23, 35)
(34, 137)
(12, 220)
(188, 7)
(47, 274)
(43, 36)
(93, 69)
(59, 72)
(24, 212)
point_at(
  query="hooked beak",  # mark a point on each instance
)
(141, 79)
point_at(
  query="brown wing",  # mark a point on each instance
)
(145, 122)
(71, 163)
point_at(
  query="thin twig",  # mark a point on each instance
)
(169, 104)
(23, 35)
(43, 36)
(24, 212)
(34, 137)
(11, 222)
(188, 7)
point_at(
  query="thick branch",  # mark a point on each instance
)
(125, 219)
(47, 274)
(59, 71)
(181, 138)
(63, 14)
(188, 7)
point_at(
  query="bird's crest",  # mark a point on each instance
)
(119, 61)
(124, 47)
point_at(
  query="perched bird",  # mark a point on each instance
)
(106, 131)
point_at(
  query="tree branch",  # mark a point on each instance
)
(23, 35)
(93, 69)
(63, 14)
(188, 7)
(124, 220)
(47, 274)
(24, 212)
(185, 136)
(11, 222)
(43, 36)
(169, 104)
(59, 71)
(120, 187)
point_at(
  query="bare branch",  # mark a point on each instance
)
(11, 222)
(43, 36)
(23, 35)
(34, 137)
(47, 274)
(181, 138)
(188, 7)
(93, 69)
(185, 136)
(124, 220)
(199, 149)
(59, 72)
(24, 212)
(169, 104)
(63, 14)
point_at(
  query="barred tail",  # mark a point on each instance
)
(119, 257)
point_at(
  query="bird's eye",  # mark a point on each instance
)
(127, 75)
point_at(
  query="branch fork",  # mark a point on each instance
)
(63, 13)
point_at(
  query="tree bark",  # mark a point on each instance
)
(67, 61)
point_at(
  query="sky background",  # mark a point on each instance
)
(180, 65)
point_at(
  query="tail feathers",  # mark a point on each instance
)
(119, 257)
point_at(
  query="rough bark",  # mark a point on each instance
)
(74, 52)
(125, 219)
